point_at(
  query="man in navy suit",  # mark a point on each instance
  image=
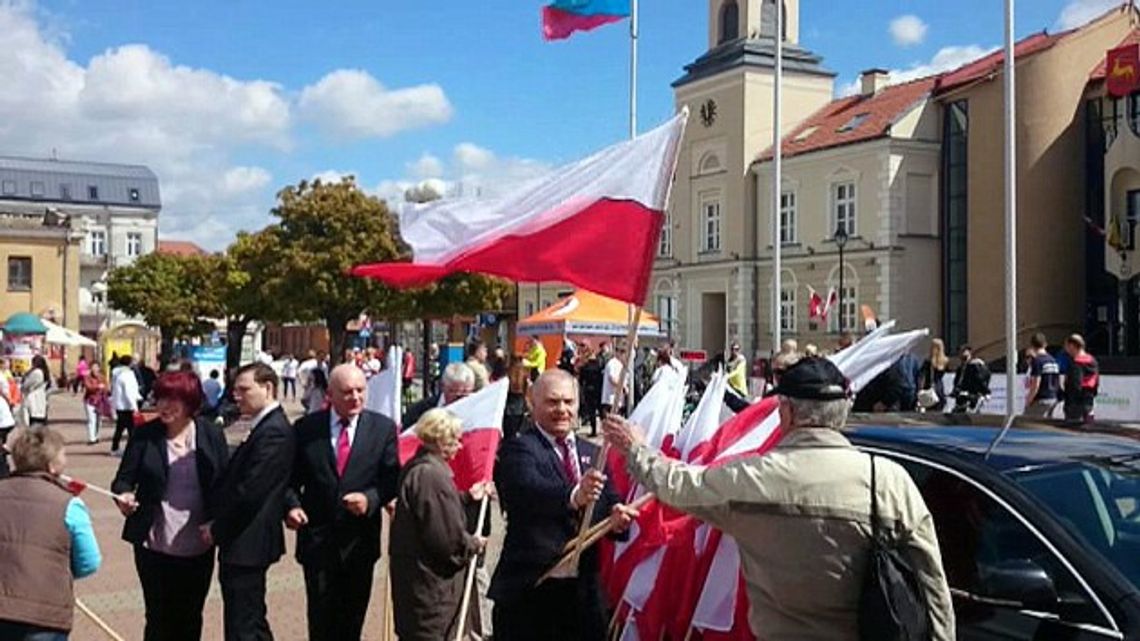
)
(249, 503)
(545, 481)
(345, 471)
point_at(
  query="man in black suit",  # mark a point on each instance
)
(249, 504)
(346, 470)
(458, 382)
(545, 480)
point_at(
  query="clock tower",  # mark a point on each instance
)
(709, 280)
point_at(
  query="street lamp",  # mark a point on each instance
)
(841, 242)
(98, 292)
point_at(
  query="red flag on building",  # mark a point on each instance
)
(1122, 70)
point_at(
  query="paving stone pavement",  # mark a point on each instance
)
(114, 594)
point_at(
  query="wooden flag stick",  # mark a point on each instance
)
(604, 524)
(88, 486)
(471, 566)
(99, 623)
(619, 396)
(594, 535)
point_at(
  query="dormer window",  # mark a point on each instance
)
(853, 124)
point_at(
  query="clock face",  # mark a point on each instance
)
(708, 112)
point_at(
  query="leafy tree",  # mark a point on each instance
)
(323, 230)
(247, 286)
(166, 291)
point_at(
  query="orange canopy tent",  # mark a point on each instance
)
(585, 313)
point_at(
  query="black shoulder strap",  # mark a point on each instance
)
(874, 506)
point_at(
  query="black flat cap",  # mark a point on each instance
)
(814, 379)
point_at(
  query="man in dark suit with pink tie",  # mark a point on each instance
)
(345, 472)
(545, 481)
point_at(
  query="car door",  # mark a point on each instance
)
(1007, 581)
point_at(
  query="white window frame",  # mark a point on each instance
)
(97, 242)
(844, 208)
(848, 305)
(711, 229)
(667, 311)
(134, 244)
(789, 233)
(665, 243)
(788, 309)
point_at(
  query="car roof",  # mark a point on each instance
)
(1026, 444)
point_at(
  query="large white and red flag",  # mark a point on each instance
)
(482, 416)
(385, 390)
(594, 224)
(874, 353)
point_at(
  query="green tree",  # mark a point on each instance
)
(323, 230)
(169, 292)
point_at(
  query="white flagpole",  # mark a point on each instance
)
(1010, 214)
(777, 181)
(633, 35)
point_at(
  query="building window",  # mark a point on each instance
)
(37, 188)
(729, 22)
(954, 218)
(788, 233)
(843, 195)
(667, 311)
(19, 273)
(530, 308)
(133, 193)
(97, 242)
(847, 306)
(788, 309)
(134, 244)
(64, 191)
(92, 192)
(9, 187)
(665, 243)
(710, 226)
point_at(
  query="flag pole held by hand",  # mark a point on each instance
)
(593, 535)
(469, 583)
(76, 487)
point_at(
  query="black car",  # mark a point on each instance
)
(1041, 538)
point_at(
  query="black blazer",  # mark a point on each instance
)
(250, 502)
(417, 410)
(536, 496)
(144, 467)
(373, 469)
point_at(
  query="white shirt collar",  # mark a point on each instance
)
(263, 413)
(334, 421)
(571, 441)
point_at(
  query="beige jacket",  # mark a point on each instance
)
(801, 517)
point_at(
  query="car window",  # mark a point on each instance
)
(975, 532)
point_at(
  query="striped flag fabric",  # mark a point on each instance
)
(385, 390)
(563, 18)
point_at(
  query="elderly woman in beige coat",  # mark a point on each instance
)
(430, 546)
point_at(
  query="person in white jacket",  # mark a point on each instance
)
(125, 399)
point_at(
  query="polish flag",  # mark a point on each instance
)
(385, 390)
(815, 303)
(832, 300)
(593, 224)
(482, 416)
(874, 353)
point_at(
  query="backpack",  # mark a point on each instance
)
(891, 607)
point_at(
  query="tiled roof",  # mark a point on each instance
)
(855, 118)
(992, 63)
(180, 248)
(112, 170)
(1132, 38)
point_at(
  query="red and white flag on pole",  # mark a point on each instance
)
(385, 390)
(572, 215)
(815, 304)
(832, 300)
(482, 416)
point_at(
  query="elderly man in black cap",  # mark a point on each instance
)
(800, 513)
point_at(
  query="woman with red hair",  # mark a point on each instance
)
(169, 471)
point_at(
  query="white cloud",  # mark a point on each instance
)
(350, 103)
(241, 180)
(1078, 12)
(908, 30)
(947, 59)
(474, 171)
(471, 157)
(428, 166)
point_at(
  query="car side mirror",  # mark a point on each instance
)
(1021, 582)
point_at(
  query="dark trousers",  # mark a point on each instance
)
(289, 385)
(243, 598)
(10, 631)
(174, 590)
(4, 469)
(337, 595)
(124, 422)
(557, 610)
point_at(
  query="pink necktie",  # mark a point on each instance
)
(568, 467)
(342, 448)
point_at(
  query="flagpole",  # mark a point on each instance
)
(777, 180)
(1010, 214)
(633, 35)
(469, 582)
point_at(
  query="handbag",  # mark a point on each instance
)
(891, 607)
(927, 398)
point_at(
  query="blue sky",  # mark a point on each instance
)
(228, 100)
